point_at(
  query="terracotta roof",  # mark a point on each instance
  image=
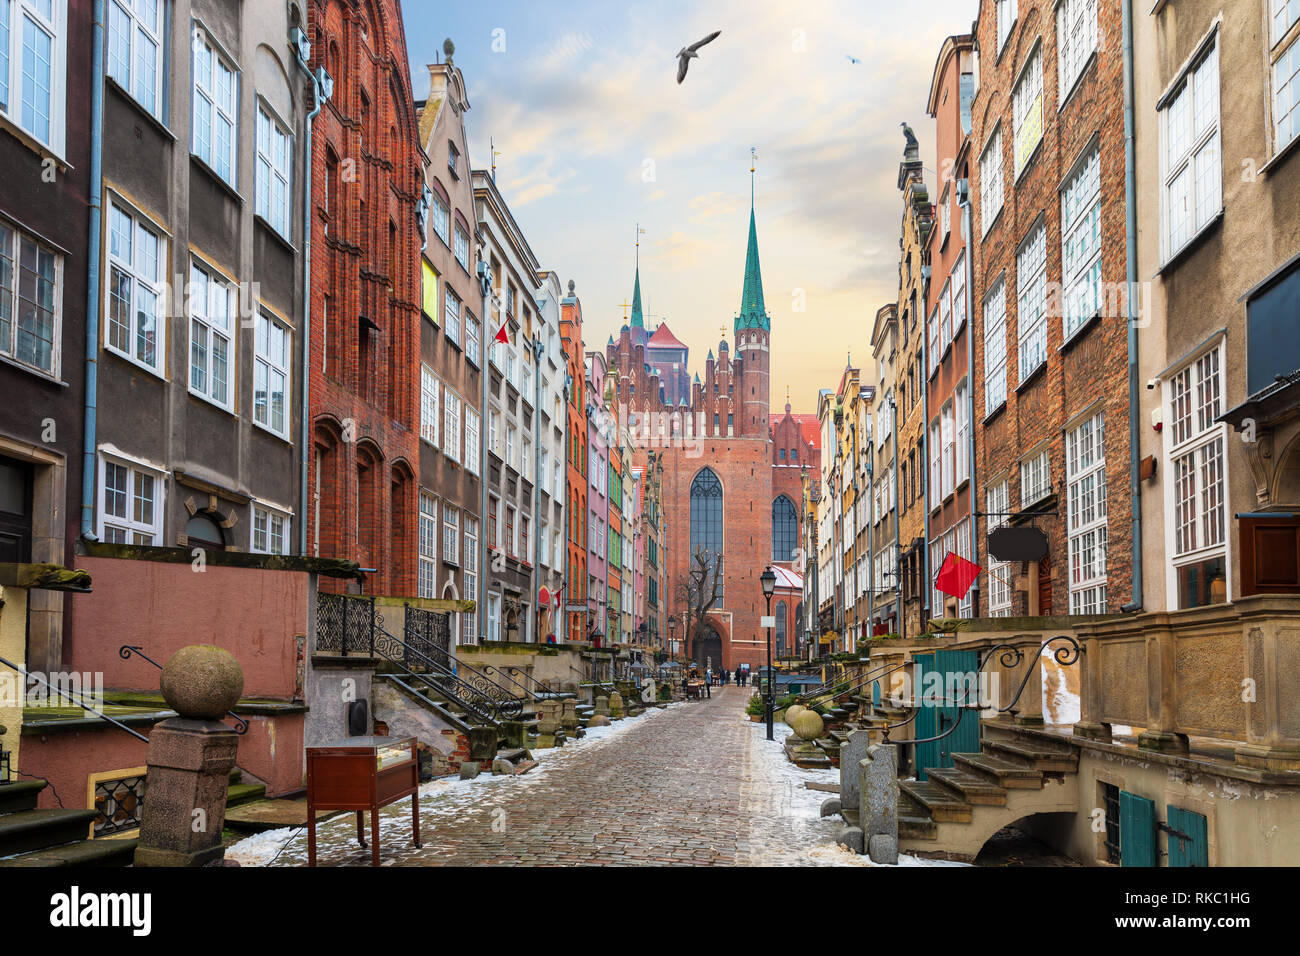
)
(809, 426)
(664, 339)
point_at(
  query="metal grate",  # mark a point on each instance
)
(429, 634)
(119, 804)
(1110, 803)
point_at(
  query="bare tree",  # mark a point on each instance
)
(700, 590)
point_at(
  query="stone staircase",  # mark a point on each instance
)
(52, 837)
(1016, 773)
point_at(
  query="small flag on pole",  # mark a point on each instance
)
(956, 575)
(502, 336)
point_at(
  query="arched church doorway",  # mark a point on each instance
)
(707, 651)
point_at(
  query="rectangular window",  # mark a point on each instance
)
(1081, 242)
(471, 440)
(1286, 74)
(1076, 37)
(469, 619)
(991, 179)
(1197, 509)
(471, 338)
(450, 535)
(462, 247)
(961, 407)
(31, 293)
(1085, 475)
(1035, 479)
(524, 552)
(271, 376)
(429, 388)
(136, 257)
(995, 347)
(451, 424)
(999, 576)
(211, 306)
(932, 339)
(216, 91)
(1006, 20)
(428, 572)
(33, 40)
(948, 436)
(135, 49)
(525, 460)
(1192, 179)
(493, 531)
(451, 317)
(936, 463)
(508, 542)
(270, 531)
(958, 279)
(130, 503)
(945, 317)
(510, 445)
(441, 220)
(274, 158)
(1027, 110)
(1031, 278)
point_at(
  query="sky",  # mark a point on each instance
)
(594, 136)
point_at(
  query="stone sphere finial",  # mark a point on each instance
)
(808, 725)
(571, 286)
(202, 681)
(448, 48)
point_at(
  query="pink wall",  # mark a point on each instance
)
(255, 614)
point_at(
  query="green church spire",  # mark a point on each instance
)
(638, 321)
(753, 314)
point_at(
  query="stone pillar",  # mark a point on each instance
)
(1272, 655)
(569, 715)
(1029, 708)
(852, 752)
(878, 817)
(602, 705)
(189, 760)
(616, 705)
(549, 722)
(1161, 730)
(1090, 725)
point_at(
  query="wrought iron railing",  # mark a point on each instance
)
(346, 624)
(870, 676)
(484, 699)
(536, 687)
(64, 693)
(429, 632)
(125, 652)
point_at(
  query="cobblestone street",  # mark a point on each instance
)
(695, 784)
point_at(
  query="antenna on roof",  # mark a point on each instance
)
(492, 149)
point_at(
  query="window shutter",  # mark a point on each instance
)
(1194, 851)
(1137, 830)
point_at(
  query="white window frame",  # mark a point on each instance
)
(133, 528)
(12, 298)
(451, 437)
(1284, 72)
(1184, 152)
(992, 187)
(267, 365)
(427, 578)
(440, 213)
(208, 296)
(999, 585)
(958, 285)
(472, 420)
(13, 72)
(1076, 36)
(207, 52)
(1085, 479)
(269, 516)
(451, 315)
(450, 535)
(429, 420)
(1081, 242)
(1006, 16)
(995, 360)
(469, 573)
(127, 23)
(947, 434)
(1031, 304)
(471, 345)
(1027, 105)
(135, 268)
(1035, 478)
(1194, 445)
(462, 246)
(273, 175)
(961, 450)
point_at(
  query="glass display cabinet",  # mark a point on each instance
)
(362, 773)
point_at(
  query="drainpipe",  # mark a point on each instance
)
(898, 540)
(537, 475)
(1130, 238)
(92, 274)
(871, 551)
(927, 586)
(970, 397)
(853, 470)
(321, 86)
(485, 414)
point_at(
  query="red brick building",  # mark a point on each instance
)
(730, 479)
(575, 472)
(367, 180)
(1051, 385)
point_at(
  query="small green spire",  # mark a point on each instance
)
(753, 313)
(638, 321)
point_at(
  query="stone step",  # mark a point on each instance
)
(28, 830)
(1035, 756)
(237, 793)
(914, 820)
(938, 801)
(20, 795)
(81, 853)
(973, 788)
(513, 754)
(1012, 776)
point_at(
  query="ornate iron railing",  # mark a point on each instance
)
(125, 652)
(481, 697)
(536, 687)
(428, 632)
(487, 670)
(870, 676)
(346, 624)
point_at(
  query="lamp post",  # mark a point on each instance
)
(768, 579)
(672, 636)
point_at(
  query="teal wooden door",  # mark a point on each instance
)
(1192, 849)
(952, 682)
(1137, 830)
(875, 693)
(926, 755)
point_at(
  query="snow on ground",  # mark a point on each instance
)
(438, 798)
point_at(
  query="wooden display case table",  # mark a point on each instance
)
(362, 773)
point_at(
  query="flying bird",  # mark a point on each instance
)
(685, 53)
(851, 58)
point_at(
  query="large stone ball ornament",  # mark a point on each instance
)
(202, 681)
(808, 725)
(791, 712)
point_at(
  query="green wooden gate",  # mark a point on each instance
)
(1137, 830)
(1193, 848)
(959, 673)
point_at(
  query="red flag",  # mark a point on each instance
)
(956, 575)
(501, 335)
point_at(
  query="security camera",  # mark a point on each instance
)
(1152, 382)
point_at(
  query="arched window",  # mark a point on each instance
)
(780, 628)
(785, 529)
(203, 531)
(706, 512)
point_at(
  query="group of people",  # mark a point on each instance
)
(740, 676)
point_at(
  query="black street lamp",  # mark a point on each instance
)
(768, 579)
